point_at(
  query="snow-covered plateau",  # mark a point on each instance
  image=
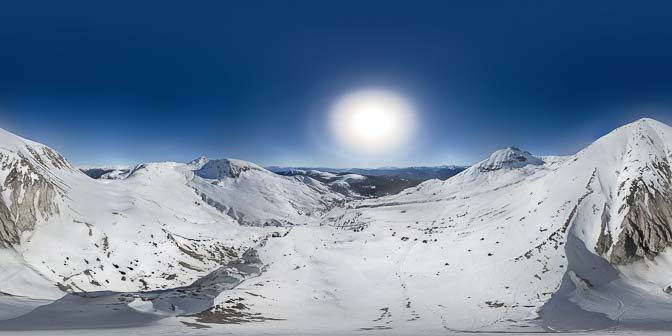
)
(516, 243)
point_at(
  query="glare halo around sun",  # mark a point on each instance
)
(372, 121)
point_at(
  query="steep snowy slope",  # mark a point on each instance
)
(626, 220)
(161, 227)
(580, 241)
(31, 189)
(255, 196)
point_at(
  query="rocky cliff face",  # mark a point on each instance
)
(28, 196)
(632, 165)
(647, 226)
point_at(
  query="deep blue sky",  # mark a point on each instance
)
(135, 81)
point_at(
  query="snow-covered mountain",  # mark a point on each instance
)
(516, 242)
(255, 196)
(164, 225)
(107, 172)
(513, 243)
(410, 173)
(508, 158)
(356, 185)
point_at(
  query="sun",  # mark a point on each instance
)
(372, 120)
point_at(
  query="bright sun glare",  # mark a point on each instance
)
(373, 120)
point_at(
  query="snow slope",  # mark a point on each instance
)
(514, 243)
(163, 226)
(255, 196)
(509, 240)
(355, 185)
(339, 183)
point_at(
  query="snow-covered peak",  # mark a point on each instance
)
(105, 167)
(649, 122)
(13, 142)
(321, 174)
(222, 168)
(507, 158)
(643, 132)
(39, 155)
(199, 162)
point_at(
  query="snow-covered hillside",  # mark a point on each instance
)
(411, 173)
(162, 226)
(107, 172)
(254, 196)
(580, 241)
(516, 242)
(345, 184)
(355, 185)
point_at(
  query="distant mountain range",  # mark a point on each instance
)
(412, 173)
(421, 173)
(354, 182)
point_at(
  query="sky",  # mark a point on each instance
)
(120, 82)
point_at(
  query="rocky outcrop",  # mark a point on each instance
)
(647, 226)
(44, 155)
(604, 241)
(28, 197)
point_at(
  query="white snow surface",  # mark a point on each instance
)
(151, 230)
(482, 251)
(507, 158)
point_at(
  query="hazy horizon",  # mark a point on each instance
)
(287, 164)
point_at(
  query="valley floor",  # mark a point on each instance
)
(172, 326)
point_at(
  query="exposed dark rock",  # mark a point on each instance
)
(646, 227)
(31, 196)
(604, 241)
